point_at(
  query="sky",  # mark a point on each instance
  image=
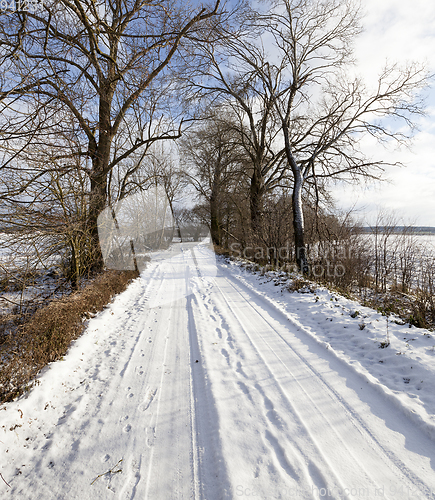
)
(398, 30)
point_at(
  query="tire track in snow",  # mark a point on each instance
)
(233, 356)
(392, 466)
(87, 403)
(292, 464)
(163, 428)
(105, 422)
(211, 480)
(152, 427)
(251, 418)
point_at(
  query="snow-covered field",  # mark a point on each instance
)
(23, 280)
(191, 385)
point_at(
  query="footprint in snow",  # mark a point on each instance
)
(149, 396)
(225, 354)
(244, 388)
(151, 435)
(240, 370)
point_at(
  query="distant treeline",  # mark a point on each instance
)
(399, 229)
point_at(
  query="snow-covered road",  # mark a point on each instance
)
(214, 394)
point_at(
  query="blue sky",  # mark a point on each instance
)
(398, 30)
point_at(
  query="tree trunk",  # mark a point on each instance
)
(215, 222)
(97, 203)
(298, 213)
(298, 225)
(74, 265)
(256, 202)
(215, 229)
(100, 166)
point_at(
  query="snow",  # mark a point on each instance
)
(26, 282)
(213, 382)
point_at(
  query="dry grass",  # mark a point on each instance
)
(50, 331)
(219, 250)
(301, 285)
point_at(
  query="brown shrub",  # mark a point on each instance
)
(301, 285)
(48, 334)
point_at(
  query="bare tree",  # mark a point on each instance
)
(323, 112)
(293, 85)
(163, 168)
(104, 66)
(213, 161)
(19, 122)
(228, 77)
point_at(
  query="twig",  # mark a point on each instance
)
(4, 480)
(110, 471)
(8, 300)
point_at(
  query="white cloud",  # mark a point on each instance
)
(398, 31)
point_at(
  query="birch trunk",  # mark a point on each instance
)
(298, 213)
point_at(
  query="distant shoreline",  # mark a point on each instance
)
(420, 230)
